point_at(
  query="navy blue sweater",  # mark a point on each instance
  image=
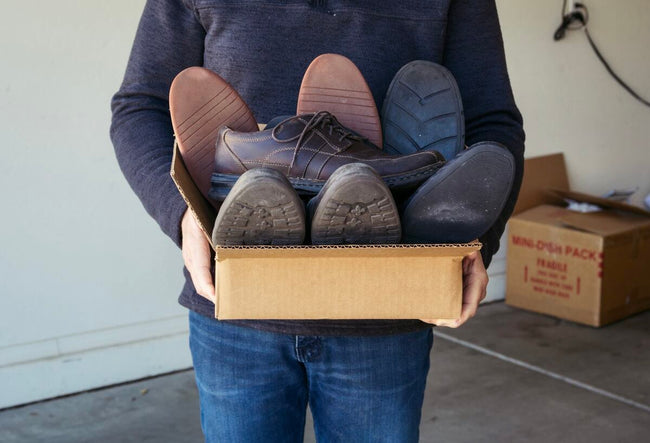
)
(263, 47)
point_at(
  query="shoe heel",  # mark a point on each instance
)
(355, 207)
(261, 209)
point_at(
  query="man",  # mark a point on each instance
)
(364, 380)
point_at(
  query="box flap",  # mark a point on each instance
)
(546, 214)
(600, 201)
(601, 223)
(540, 174)
(204, 213)
(604, 223)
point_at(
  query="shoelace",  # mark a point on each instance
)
(323, 120)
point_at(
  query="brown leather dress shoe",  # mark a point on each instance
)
(333, 83)
(307, 149)
(200, 103)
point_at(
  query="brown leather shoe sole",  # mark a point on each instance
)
(201, 102)
(333, 83)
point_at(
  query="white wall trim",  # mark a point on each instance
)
(78, 362)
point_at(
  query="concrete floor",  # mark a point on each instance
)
(506, 376)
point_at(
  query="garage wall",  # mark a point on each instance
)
(89, 284)
(569, 101)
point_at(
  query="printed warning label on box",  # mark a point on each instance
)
(555, 269)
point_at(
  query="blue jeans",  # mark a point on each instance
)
(254, 386)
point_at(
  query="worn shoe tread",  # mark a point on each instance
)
(463, 200)
(261, 209)
(423, 111)
(355, 207)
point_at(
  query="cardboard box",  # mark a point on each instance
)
(329, 282)
(592, 268)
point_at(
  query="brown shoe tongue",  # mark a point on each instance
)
(289, 129)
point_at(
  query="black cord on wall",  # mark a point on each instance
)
(578, 19)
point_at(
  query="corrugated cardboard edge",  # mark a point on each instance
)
(204, 213)
(392, 250)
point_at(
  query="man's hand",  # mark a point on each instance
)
(197, 256)
(475, 280)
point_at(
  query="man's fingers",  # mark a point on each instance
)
(197, 256)
(475, 281)
(198, 262)
(447, 323)
(202, 279)
(473, 294)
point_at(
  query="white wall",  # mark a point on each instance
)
(569, 101)
(89, 284)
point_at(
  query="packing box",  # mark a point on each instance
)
(329, 282)
(592, 268)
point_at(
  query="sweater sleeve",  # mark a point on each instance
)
(474, 54)
(169, 38)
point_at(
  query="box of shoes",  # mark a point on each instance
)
(588, 267)
(329, 282)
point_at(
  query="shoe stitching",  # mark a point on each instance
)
(311, 159)
(338, 155)
(230, 151)
(426, 171)
(264, 163)
(249, 138)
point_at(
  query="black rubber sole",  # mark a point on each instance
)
(354, 207)
(261, 209)
(463, 200)
(223, 183)
(423, 110)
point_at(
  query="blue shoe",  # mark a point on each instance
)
(463, 200)
(423, 110)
